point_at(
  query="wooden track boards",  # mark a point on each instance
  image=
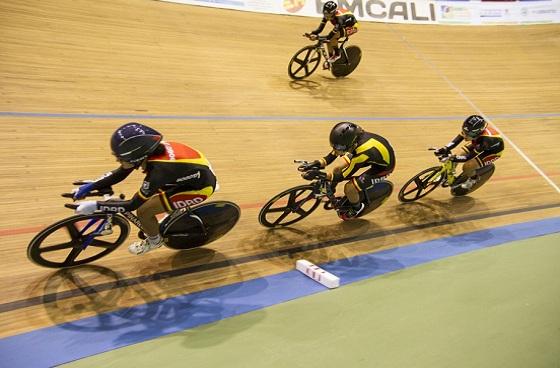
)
(236, 103)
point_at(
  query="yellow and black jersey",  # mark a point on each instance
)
(372, 151)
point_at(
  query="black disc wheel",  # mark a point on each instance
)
(344, 66)
(304, 63)
(289, 207)
(421, 185)
(458, 191)
(77, 240)
(201, 225)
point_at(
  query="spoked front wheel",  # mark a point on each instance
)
(289, 207)
(421, 184)
(77, 240)
(304, 63)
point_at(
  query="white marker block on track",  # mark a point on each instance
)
(317, 274)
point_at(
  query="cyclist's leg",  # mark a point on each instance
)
(353, 192)
(332, 47)
(147, 217)
(170, 200)
(470, 167)
(477, 166)
(147, 214)
(357, 188)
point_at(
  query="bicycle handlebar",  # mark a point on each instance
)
(442, 157)
(316, 37)
(96, 193)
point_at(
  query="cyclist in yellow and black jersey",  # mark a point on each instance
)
(359, 150)
(344, 22)
(177, 176)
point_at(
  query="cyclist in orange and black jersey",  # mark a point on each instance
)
(359, 150)
(173, 169)
(485, 146)
(177, 176)
(344, 22)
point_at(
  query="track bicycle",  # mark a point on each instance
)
(429, 179)
(81, 239)
(306, 60)
(295, 204)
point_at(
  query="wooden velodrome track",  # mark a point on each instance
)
(222, 74)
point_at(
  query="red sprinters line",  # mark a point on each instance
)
(34, 229)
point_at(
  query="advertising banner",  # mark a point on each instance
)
(409, 11)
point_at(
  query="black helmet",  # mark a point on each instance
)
(473, 126)
(134, 142)
(344, 136)
(329, 8)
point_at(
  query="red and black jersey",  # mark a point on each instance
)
(175, 166)
(342, 18)
(179, 165)
(490, 142)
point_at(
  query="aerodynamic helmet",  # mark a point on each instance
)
(344, 135)
(133, 142)
(473, 126)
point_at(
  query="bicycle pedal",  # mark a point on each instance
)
(107, 229)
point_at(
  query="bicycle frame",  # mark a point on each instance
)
(103, 226)
(320, 46)
(448, 170)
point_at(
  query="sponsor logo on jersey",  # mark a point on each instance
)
(196, 175)
(169, 150)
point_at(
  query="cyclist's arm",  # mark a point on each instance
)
(152, 182)
(335, 173)
(469, 156)
(111, 178)
(321, 27)
(328, 159)
(454, 142)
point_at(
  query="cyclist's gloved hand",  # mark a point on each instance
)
(310, 165)
(82, 191)
(441, 151)
(453, 158)
(86, 208)
(312, 36)
(313, 174)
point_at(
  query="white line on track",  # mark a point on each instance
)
(429, 62)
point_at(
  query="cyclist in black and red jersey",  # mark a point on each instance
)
(176, 176)
(485, 146)
(359, 150)
(344, 22)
